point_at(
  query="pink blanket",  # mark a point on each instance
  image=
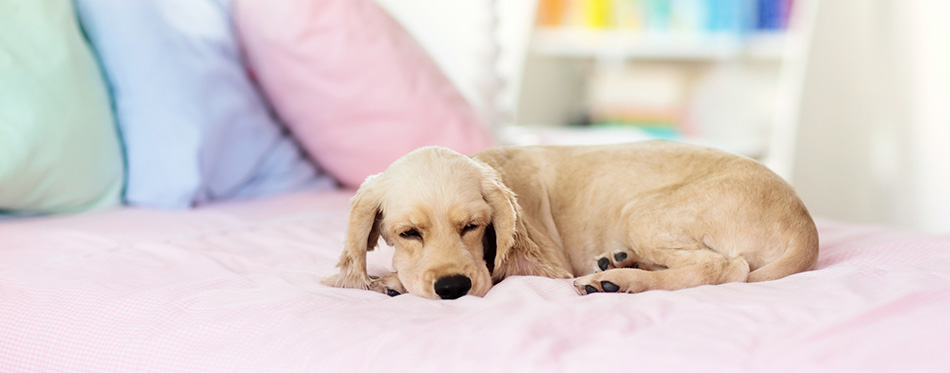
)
(235, 287)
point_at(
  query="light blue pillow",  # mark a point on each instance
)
(195, 128)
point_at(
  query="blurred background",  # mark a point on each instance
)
(849, 100)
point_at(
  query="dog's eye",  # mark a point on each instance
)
(411, 233)
(469, 227)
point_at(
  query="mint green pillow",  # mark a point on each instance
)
(59, 151)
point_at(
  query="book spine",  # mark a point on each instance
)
(787, 6)
(597, 14)
(726, 16)
(770, 15)
(688, 15)
(551, 13)
(628, 14)
(658, 15)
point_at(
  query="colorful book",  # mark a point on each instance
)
(736, 17)
(597, 13)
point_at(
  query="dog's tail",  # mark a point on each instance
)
(800, 255)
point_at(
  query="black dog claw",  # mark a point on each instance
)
(391, 292)
(590, 289)
(609, 287)
(603, 263)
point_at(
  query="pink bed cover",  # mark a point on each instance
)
(234, 287)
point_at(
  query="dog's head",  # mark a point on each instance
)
(450, 218)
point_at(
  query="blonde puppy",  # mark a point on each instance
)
(620, 218)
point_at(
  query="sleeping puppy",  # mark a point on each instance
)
(620, 218)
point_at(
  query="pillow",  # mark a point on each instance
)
(352, 84)
(195, 127)
(59, 151)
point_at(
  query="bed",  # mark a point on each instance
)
(235, 287)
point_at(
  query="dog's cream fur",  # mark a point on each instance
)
(664, 215)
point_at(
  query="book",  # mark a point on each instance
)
(597, 14)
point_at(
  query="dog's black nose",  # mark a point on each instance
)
(452, 287)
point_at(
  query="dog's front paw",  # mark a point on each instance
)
(613, 281)
(388, 284)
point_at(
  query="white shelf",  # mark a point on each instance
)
(598, 135)
(629, 44)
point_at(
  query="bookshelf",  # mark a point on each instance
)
(634, 45)
(702, 71)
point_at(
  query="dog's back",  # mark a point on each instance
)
(655, 196)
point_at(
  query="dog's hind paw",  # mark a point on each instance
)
(615, 259)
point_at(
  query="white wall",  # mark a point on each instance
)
(931, 68)
(872, 137)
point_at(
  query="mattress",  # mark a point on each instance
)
(235, 287)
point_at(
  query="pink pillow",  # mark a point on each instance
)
(352, 84)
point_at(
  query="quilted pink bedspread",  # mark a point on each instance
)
(235, 288)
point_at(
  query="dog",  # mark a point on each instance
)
(620, 218)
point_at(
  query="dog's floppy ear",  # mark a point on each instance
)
(362, 235)
(515, 252)
(505, 211)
